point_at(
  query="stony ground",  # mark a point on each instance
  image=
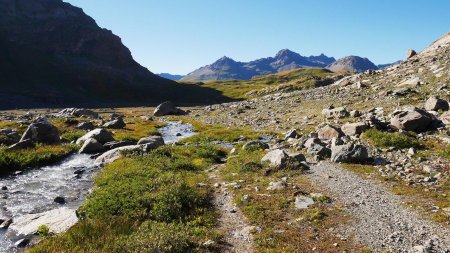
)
(379, 218)
(237, 233)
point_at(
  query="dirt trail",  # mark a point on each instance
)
(380, 220)
(238, 237)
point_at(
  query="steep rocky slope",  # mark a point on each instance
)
(227, 69)
(353, 64)
(53, 55)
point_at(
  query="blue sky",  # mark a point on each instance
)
(178, 36)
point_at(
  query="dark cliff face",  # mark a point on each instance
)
(55, 55)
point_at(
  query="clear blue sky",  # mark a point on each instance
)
(178, 36)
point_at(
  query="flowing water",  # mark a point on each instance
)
(34, 191)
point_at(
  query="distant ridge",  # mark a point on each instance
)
(226, 68)
(170, 76)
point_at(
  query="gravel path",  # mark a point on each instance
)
(238, 237)
(380, 221)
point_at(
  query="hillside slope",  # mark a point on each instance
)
(353, 64)
(55, 55)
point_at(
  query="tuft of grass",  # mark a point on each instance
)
(148, 203)
(14, 160)
(137, 128)
(43, 231)
(385, 139)
(73, 136)
(314, 215)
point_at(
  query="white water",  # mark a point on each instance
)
(34, 191)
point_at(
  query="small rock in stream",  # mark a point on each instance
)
(60, 200)
(4, 188)
(5, 224)
(22, 243)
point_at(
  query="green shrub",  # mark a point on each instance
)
(386, 139)
(43, 231)
(14, 160)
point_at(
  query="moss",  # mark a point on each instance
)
(386, 139)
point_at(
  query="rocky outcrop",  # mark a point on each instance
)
(22, 145)
(167, 108)
(411, 119)
(279, 158)
(78, 113)
(151, 141)
(42, 131)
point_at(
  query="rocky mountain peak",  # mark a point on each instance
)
(353, 64)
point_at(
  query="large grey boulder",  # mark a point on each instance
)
(350, 153)
(91, 146)
(100, 134)
(352, 129)
(436, 104)
(42, 131)
(411, 119)
(115, 124)
(8, 136)
(57, 220)
(86, 126)
(167, 108)
(329, 132)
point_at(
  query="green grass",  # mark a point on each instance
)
(299, 78)
(149, 203)
(386, 139)
(42, 155)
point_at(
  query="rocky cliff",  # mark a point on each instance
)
(53, 54)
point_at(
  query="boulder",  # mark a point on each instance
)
(351, 129)
(42, 131)
(302, 202)
(278, 158)
(8, 136)
(78, 112)
(410, 53)
(411, 119)
(445, 118)
(329, 132)
(349, 153)
(167, 108)
(255, 145)
(22, 243)
(436, 104)
(115, 124)
(100, 134)
(114, 154)
(339, 112)
(319, 150)
(151, 142)
(91, 146)
(57, 220)
(309, 142)
(86, 126)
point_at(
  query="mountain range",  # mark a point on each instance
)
(53, 55)
(227, 69)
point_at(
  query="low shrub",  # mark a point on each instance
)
(387, 139)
